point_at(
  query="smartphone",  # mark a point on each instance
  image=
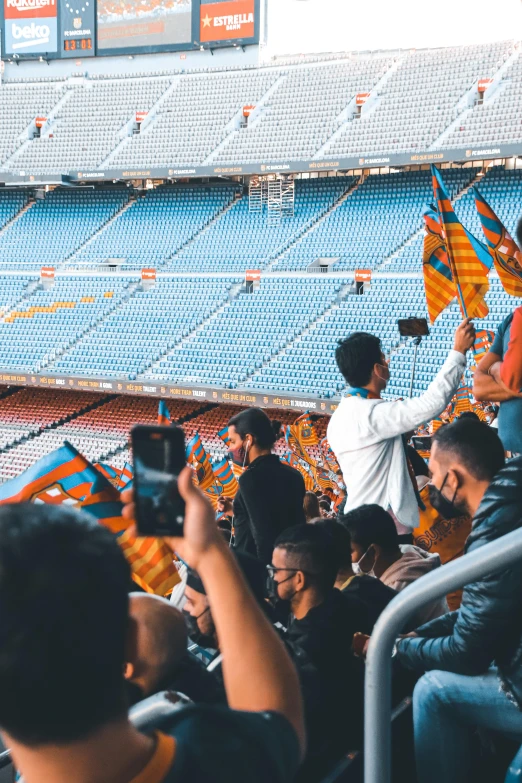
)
(413, 327)
(422, 443)
(159, 458)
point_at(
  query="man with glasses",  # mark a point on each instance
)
(322, 622)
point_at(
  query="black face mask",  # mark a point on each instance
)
(273, 596)
(199, 638)
(446, 508)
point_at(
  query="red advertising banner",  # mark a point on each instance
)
(227, 21)
(47, 272)
(361, 98)
(483, 84)
(253, 274)
(247, 110)
(30, 9)
(40, 121)
(148, 274)
(140, 116)
(363, 275)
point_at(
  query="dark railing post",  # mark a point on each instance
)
(487, 560)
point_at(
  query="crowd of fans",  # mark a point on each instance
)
(282, 596)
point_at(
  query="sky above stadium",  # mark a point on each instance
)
(296, 26)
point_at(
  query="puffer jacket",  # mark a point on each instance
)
(487, 628)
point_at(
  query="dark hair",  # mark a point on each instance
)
(63, 624)
(371, 524)
(311, 505)
(255, 422)
(469, 415)
(341, 538)
(313, 551)
(475, 444)
(519, 233)
(356, 357)
(325, 504)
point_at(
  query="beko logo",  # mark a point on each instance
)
(30, 35)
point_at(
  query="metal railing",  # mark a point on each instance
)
(485, 561)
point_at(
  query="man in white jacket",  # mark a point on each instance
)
(365, 432)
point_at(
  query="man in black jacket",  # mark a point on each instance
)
(319, 636)
(473, 657)
(271, 493)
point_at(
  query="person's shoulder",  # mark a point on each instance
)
(223, 745)
(506, 323)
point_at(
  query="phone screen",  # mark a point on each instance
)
(159, 457)
(413, 327)
(422, 443)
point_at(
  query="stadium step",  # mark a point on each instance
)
(468, 102)
(48, 361)
(29, 291)
(346, 117)
(59, 423)
(149, 372)
(69, 261)
(311, 225)
(420, 231)
(234, 126)
(200, 232)
(146, 125)
(11, 162)
(343, 293)
(30, 204)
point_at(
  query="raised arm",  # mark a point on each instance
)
(390, 419)
(258, 673)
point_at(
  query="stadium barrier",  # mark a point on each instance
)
(488, 560)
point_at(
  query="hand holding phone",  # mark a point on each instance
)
(159, 458)
(201, 534)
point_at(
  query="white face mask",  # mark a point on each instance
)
(356, 567)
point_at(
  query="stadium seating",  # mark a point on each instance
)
(419, 100)
(247, 332)
(54, 227)
(148, 325)
(52, 320)
(156, 226)
(90, 124)
(241, 240)
(372, 223)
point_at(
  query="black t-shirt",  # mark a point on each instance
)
(218, 745)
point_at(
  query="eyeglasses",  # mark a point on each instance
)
(273, 570)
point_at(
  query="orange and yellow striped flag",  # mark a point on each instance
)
(469, 259)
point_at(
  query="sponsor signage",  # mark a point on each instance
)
(47, 273)
(228, 21)
(140, 116)
(298, 166)
(77, 28)
(148, 274)
(30, 27)
(253, 274)
(361, 98)
(363, 275)
(258, 399)
(483, 84)
(40, 121)
(247, 110)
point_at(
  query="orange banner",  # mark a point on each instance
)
(363, 275)
(48, 272)
(253, 274)
(140, 116)
(227, 21)
(361, 98)
(40, 121)
(484, 84)
(148, 274)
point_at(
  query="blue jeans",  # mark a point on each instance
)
(447, 708)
